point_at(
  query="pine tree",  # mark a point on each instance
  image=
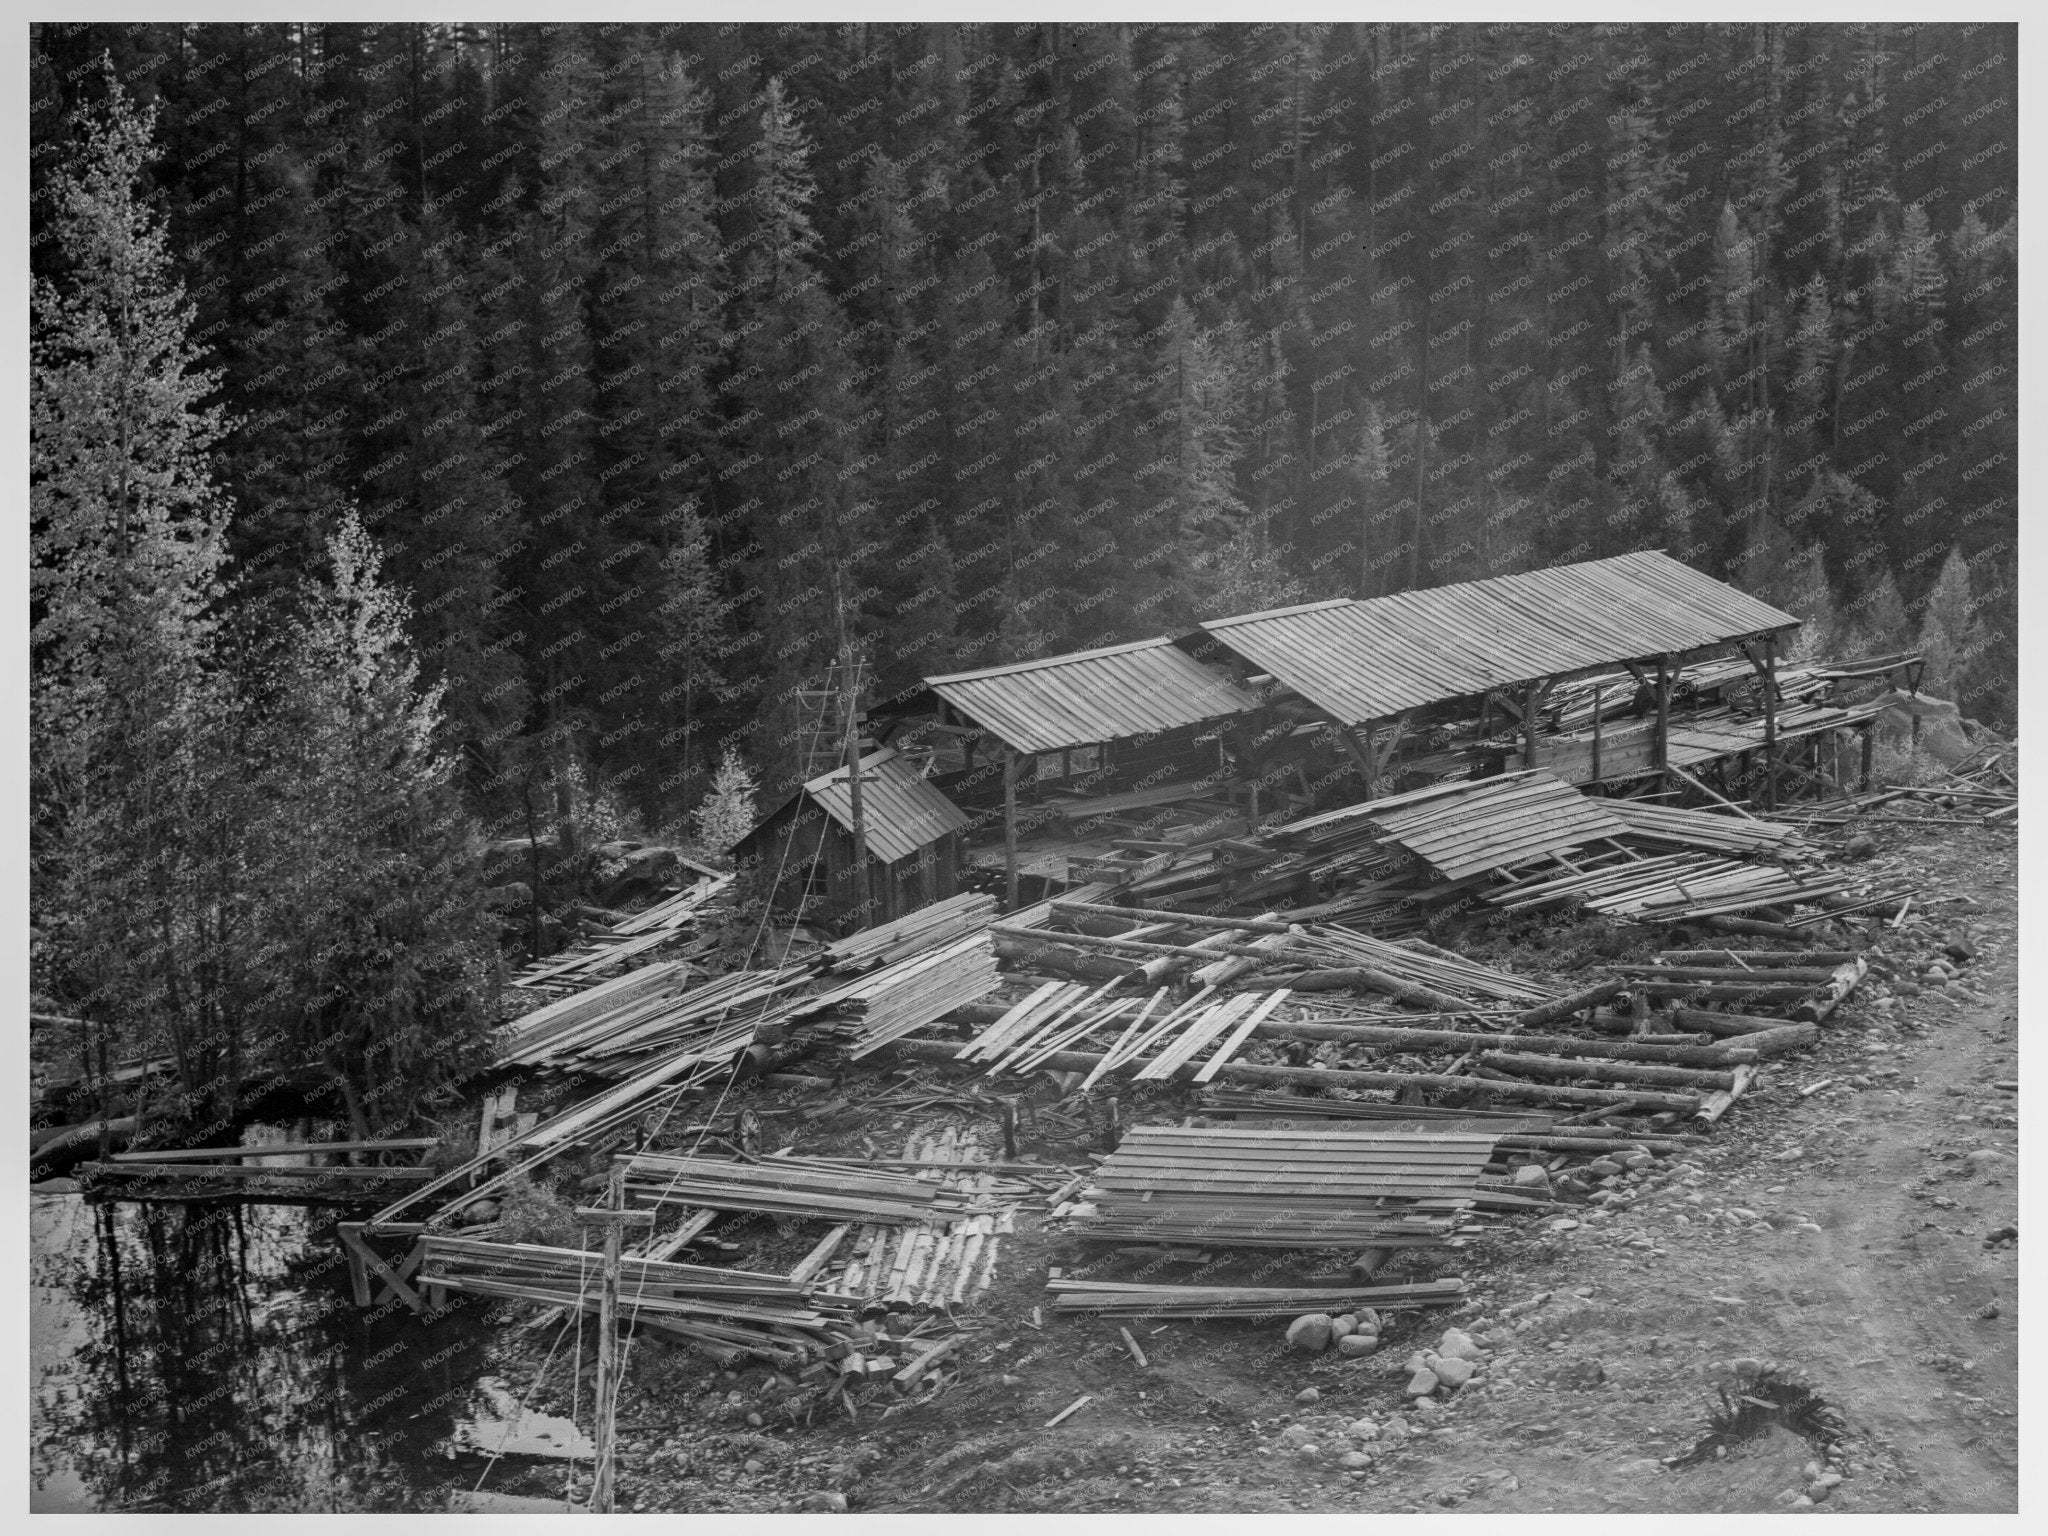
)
(1876, 619)
(727, 812)
(388, 980)
(690, 619)
(136, 807)
(1951, 637)
(125, 519)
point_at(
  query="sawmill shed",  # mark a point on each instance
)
(1378, 671)
(1102, 733)
(912, 833)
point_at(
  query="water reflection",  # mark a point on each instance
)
(208, 1357)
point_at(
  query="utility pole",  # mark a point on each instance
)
(849, 698)
(612, 1216)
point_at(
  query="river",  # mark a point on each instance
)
(199, 1358)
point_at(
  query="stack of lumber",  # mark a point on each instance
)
(1112, 1298)
(1467, 829)
(653, 1016)
(884, 1005)
(929, 1266)
(1663, 827)
(1410, 971)
(795, 1186)
(1286, 1188)
(767, 1317)
(922, 930)
(578, 966)
(1667, 887)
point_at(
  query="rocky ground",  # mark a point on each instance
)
(1837, 1266)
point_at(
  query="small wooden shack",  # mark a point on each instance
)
(913, 843)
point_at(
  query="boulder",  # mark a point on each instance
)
(1362, 1429)
(1532, 1176)
(1358, 1346)
(1422, 1383)
(1310, 1334)
(1460, 1345)
(1354, 1461)
(1451, 1371)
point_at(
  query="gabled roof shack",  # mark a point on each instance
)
(1087, 697)
(902, 812)
(1368, 659)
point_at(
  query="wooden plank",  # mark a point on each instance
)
(388, 1144)
(1239, 1035)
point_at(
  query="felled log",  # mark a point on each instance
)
(1606, 1071)
(1316, 1077)
(1730, 975)
(1726, 992)
(1703, 1020)
(1565, 1007)
(1704, 1055)
(1043, 954)
(1779, 1042)
(1717, 1105)
(1844, 981)
(1752, 925)
(1358, 978)
(1761, 959)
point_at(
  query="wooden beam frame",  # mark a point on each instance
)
(1009, 828)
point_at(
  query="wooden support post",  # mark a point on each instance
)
(1349, 743)
(1009, 1113)
(1529, 710)
(1863, 780)
(1770, 722)
(1597, 690)
(358, 1275)
(1009, 828)
(612, 1217)
(1372, 777)
(1663, 741)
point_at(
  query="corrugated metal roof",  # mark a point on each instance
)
(1092, 696)
(1367, 659)
(902, 811)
